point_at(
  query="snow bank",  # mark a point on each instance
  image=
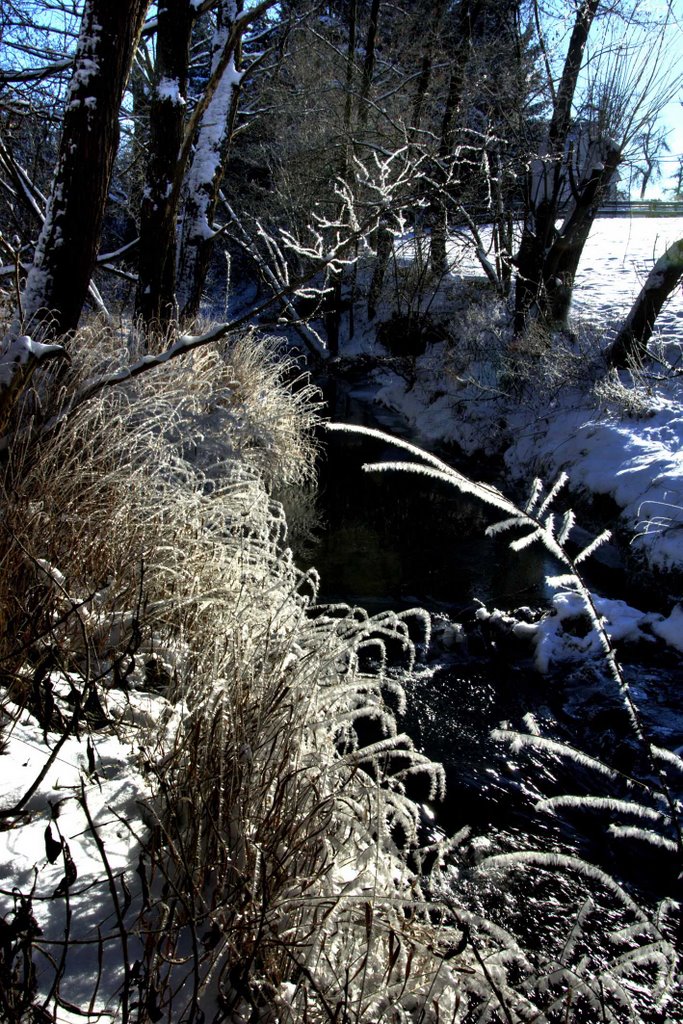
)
(79, 830)
(636, 462)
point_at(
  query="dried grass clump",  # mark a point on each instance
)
(108, 510)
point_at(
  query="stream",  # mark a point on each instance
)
(397, 541)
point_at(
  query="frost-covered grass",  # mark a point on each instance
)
(192, 825)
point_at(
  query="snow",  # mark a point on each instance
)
(169, 89)
(206, 161)
(671, 628)
(17, 354)
(96, 779)
(638, 463)
(555, 645)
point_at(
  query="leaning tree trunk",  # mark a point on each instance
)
(630, 346)
(155, 299)
(65, 255)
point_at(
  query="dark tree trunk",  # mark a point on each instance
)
(67, 246)
(155, 300)
(427, 66)
(467, 15)
(630, 346)
(385, 247)
(563, 259)
(368, 64)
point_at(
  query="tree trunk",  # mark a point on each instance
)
(467, 14)
(155, 300)
(67, 246)
(563, 259)
(435, 18)
(385, 248)
(368, 65)
(206, 168)
(545, 192)
(630, 345)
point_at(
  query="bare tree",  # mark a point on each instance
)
(624, 85)
(652, 144)
(66, 252)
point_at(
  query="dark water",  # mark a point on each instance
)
(394, 540)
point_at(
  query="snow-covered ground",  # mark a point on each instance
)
(618, 256)
(63, 870)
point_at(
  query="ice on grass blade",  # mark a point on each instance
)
(559, 484)
(670, 758)
(534, 496)
(608, 805)
(566, 526)
(524, 542)
(506, 524)
(566, 581)
(554, 861)
(602, 538)
(645, 836)
(519, 741)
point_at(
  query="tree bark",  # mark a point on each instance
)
(206, 168)
(155, 300)
(467, 15)
(562, 261)
(630, 345)
(65, 255)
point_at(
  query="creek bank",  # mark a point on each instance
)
(355, 391)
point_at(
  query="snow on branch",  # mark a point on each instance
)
(21, 352)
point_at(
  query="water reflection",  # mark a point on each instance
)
(392, 539)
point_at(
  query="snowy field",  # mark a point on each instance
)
(618, 255)
(616, 260)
